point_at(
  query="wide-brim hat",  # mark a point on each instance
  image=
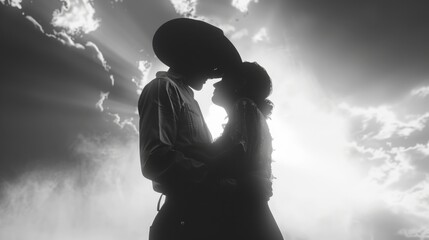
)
(193, 46)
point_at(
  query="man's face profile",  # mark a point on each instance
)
(196, 81)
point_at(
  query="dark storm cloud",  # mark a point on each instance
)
(51, 81)
(373, 48)
(41, 11)
(48, 93)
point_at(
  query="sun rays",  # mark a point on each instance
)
(348, 165)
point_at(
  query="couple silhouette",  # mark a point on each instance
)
(215, 190)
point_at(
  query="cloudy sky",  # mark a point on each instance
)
(351, 95)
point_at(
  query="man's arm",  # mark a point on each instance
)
(159, 110)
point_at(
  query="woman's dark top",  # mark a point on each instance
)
(232, 203)
(241, 177)
(246, 157)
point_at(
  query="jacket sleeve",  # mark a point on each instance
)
(159, 108)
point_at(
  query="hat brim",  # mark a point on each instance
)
(190, 45)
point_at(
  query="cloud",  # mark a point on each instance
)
(387, 144)
(382, 222)
(413, 202)
(242, 5)
(76, 16)
(12, 3)
(16, 3)
(112, 80)
(185, 7)
(103, 97)
(420, 92)
(72, 21)
(99, 55)
(55, 84)
(417, 155)
(387, 120)
(35, 23)
(388, 168)
(65, 39)
(313, 178)
(226, 28)
(401, 187)
(128, 122)
(65, 36)
(399, 165)
(360, 50)
(369, 153)
(419, 232)
(391, 172)
(144, 67)
(103, 196)
(384, 168)
(240, 34)
(335, 190)
(397, 172)
(261, 36)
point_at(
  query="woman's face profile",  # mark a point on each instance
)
(224, 92)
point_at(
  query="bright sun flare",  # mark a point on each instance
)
(311, 162)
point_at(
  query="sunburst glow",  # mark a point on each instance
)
(351, 149)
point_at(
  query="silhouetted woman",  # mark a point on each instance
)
(240, 160)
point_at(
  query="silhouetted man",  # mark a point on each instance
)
(170, 118)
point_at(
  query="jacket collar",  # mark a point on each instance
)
(175, 77)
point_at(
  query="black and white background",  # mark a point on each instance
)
(351, 95)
